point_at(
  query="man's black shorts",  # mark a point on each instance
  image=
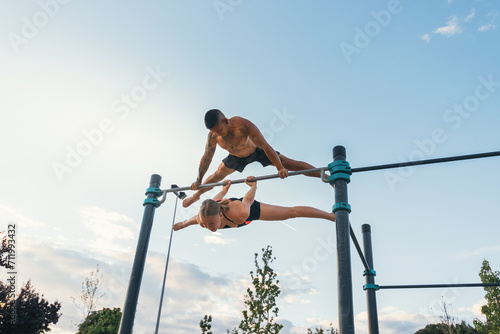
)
(239, 164)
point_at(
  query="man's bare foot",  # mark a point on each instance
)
(190, 200)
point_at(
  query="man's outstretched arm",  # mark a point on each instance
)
(206, 159)
(259, 140)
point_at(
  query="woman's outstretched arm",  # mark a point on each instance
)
(250, 195)
(223, 192)
(186, 223)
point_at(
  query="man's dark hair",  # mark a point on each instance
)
(212, 117)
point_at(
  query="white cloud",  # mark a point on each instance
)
(453, 27)
(12, 215)
(479, 251)
(294, 299)
(392, 321)
(190, 294)
(472, 312)
(450, 29)
(110, 232)
(491, 25)
(476, 309)
(106, 237)
(192, 291)
(32, 229)
(104, 222)
(426, 38)
(217, 239)
(57, 273)
(471, 15)
(315, 322)
(486, 27)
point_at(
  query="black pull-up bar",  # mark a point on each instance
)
(427, 162)
(354, 170)
(426, 286)
(255, 178)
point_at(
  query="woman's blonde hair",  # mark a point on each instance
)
(210, 208)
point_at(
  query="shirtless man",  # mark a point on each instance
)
(245, 144)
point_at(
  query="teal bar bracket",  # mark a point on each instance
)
(340, 166)
(375, 287)
(371, 272)
(341, 206)
(153, 201)
(156, 191)
(339, 170)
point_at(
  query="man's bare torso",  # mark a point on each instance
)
(237, 140)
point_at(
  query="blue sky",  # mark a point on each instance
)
(99, 96)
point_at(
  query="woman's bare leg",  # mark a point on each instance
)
(275, 212)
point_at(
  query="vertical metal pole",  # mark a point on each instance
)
(166, 269)
(344, 276)
(370, 279)
(134, 285)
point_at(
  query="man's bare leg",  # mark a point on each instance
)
(295, 165)
(219, 175)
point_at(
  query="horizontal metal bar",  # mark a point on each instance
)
(354, 170)
(427, 162)
(256, 178)
(425, 286)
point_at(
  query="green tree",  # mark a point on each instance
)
(90, 292)
(492, 308)
(4, 251)
(329, 330)
(462, 328)
(448, 324)
(260, 301)
(105, 321)
(29, 313)
(206, 324)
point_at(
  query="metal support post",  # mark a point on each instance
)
(134, 285)
(339, 177)
(371, 299)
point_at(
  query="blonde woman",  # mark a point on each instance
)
(220, 212)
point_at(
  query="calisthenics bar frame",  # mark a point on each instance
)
(346, 316)
(346, 319)
(353, 170)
